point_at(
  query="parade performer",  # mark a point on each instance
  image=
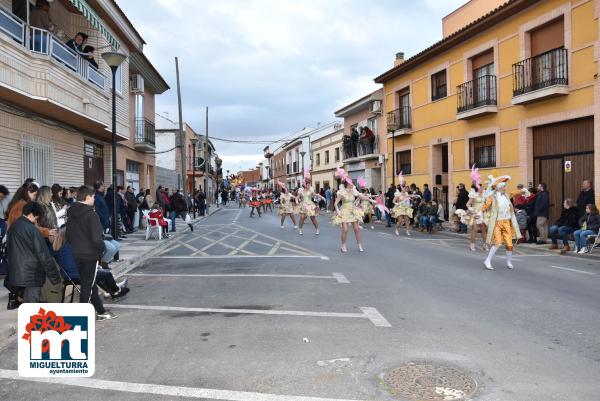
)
(348, 213)
(286, 208)
(402, 210)
(503, 227)
(255, 203)
(268, 201)
(308, 208)
(475, 218)
(366, 205)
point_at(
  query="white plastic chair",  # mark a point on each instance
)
(152, 225)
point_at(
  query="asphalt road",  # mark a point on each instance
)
(243, 310)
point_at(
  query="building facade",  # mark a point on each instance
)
(55, 106)
(364, 144)
(278, 166)
(513, 92)
(326, 155)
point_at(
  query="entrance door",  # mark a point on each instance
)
(440, 176)
(93, 163)
(563, 158)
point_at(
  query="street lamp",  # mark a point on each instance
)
(302, 154)
(392, 127)
(194, 142)
(114, 60)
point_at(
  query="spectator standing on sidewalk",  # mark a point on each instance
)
(29, 259)
(84, 233)
(586, 197)
(131, 206)
(180, 209)
(426, 193)
(100, 206)
(201, 199)
(541, 213)
(4, 193)
(461, 204)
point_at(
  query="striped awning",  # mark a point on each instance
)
(96, 22)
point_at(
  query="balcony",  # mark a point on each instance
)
(399, 122)
(355, 151)
(541, 77)
(39, 72)
(477, 97)
(145, 137)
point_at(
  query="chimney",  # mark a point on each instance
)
(399, 59)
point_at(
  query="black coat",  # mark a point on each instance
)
(585, 198)
(462, 200)
(84, 232)
(102, 210)
(568, 218)
(29, 259)
(592, 222)
(542, 205)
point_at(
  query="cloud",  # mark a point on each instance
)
(268, 68)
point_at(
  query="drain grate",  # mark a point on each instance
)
(425, 381)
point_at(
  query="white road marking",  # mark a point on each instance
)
(368, 313)
(159, 389)
(237, 216)
(339, 277)
(235, 256)
(324, 258)
(574, 270)
(375, 317)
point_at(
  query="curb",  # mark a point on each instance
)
(122, 268)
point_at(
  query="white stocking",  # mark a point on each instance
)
(509, 258)
(491, 254)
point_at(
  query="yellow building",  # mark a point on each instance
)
(514, 91)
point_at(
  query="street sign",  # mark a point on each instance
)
(567, 166)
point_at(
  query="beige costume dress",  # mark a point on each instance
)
(349, 213)
(308, 206)
(402, 206)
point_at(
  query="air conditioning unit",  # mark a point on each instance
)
(137, 83)
(375, 106)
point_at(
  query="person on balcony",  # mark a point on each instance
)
(89, 55)
(77, 42)
(354, 142)
(40, 16)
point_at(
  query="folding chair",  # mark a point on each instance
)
(68, 281)
(596, 241)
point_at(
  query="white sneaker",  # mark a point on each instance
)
(510, 265)
(583, 250)
(281, 227)
(575, 249)
(300, 232)
(295, 227)
(488, 265)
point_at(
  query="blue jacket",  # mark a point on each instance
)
(102, 210)
(427, 195)
(65, 259)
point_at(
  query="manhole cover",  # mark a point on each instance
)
(422, 381)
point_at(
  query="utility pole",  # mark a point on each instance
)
(181, 134)
(206, 160)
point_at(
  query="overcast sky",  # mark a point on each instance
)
(268, 68)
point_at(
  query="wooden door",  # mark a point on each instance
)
(93, 163)
(551, 173)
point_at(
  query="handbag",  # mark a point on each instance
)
(188, 219)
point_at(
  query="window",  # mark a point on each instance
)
(318, 159)
(119, 79)
(372, 124)
(482, 151)
(37, 159)
(403, 162)
(548, 37)
(438, 85)
(337, 154)
(326, 157)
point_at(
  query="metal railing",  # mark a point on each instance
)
(13, 26)
(542, 71)
(40, 41)
(476, 93)
(399, 118)
(359, 148)
(144, 131)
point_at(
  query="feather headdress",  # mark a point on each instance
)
(475, 176)
(401, 179)
(362, 183)
(282, 185)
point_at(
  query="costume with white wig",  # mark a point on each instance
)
(307, 205)
(503, 227)
(402, 205)
(285, 200)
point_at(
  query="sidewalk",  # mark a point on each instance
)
(595, 256)
(134, 250)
